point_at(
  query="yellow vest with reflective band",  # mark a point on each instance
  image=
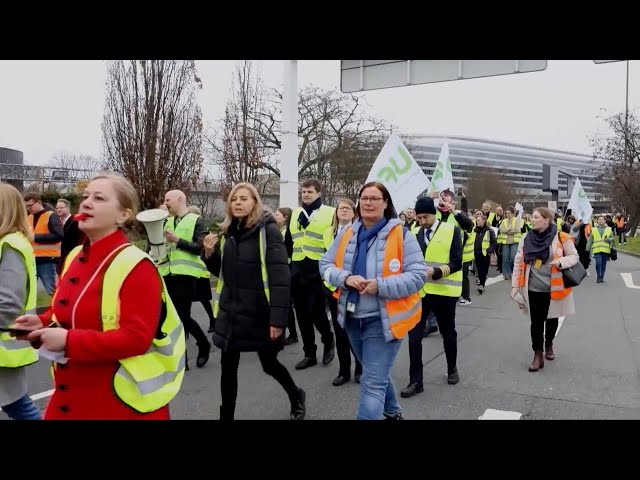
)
(263, 269)
(502, 238)
(600, 244)
(559, 223)
(468, 252)
(19, 353)
(451, 220)
(328, 240)
(178, 261)
(437, 255)
(309, 242)
(149, 381)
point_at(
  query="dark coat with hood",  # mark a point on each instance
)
(245, 317)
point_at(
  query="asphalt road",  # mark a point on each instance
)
(595, 374)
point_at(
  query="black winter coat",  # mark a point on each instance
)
(245, 317)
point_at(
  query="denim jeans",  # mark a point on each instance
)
(23, 409)
(508, 259)
(46, 272)
(601, 264)
(377, 392)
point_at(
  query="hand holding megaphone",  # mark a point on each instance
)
(210, 242)
(170, 236)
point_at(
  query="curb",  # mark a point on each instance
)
(633, 254)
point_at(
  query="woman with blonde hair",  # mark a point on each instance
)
(537, 283)
(112, 330)
(253, 298)
(342, 219)
(18, 291)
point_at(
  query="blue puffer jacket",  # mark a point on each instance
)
(411, 280)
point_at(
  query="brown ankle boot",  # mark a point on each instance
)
(548, 346)
(538, 361)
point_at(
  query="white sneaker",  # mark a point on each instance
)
(464, 301)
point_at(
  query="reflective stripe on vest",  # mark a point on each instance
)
(309, 242)
(558, 290)
(437, 255)
(42, 228)
(600, 244)
(19, 353)
(515, 222)
(149, 381)
(404, 313)
(263, 269)
(178, 261)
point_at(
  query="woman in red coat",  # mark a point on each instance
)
(84, 386)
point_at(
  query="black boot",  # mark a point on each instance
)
(204, 350)
(329, 352)
(227, 412)
(298, 405)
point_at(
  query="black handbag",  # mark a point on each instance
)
(572, 277)
(613, 256)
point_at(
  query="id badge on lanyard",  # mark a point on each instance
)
(351, 307)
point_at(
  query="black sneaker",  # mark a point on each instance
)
(412, 389)
(397, 416)
(453, 377)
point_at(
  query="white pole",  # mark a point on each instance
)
(289, 154)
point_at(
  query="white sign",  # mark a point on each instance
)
(552, 205)
(442, 178)
(579, 203)
(520, 209)
(397, 170)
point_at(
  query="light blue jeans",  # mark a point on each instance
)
(377, 392)
(508, 259)
(22, 409)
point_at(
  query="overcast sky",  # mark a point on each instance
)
(52, 106)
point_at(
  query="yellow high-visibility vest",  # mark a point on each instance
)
(437, 255)
(19, 353)
(309, 242)
(149, 381)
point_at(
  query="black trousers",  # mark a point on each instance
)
(444, 309)
(499, 255)
(466, 291)
(482, 268)
(268, 359)
(583, 254)
(291, 323)
(343, 346)
(310, 302)
(539, 309)
(182, 290)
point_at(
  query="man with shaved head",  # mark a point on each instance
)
(184, 233)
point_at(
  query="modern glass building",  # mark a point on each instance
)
(520, 164)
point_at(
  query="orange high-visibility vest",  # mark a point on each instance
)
(558, 290)
(42, 228)
(397, 308)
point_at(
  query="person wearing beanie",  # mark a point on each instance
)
(441, 245)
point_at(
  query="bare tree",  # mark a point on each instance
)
(332, 127)
(236, 148)
(488, 184)
(619, 151)
(152, 128)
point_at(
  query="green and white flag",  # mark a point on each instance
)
(442, 178)
(579, 203)
(397, 170)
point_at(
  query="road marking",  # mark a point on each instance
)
(628, 280)
(38, 396)
(560, 320)
(491, 414)
(492, 280)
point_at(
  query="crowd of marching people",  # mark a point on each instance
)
(362, 274)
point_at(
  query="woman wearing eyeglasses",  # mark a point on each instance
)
(343, 218)
(378, 269)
